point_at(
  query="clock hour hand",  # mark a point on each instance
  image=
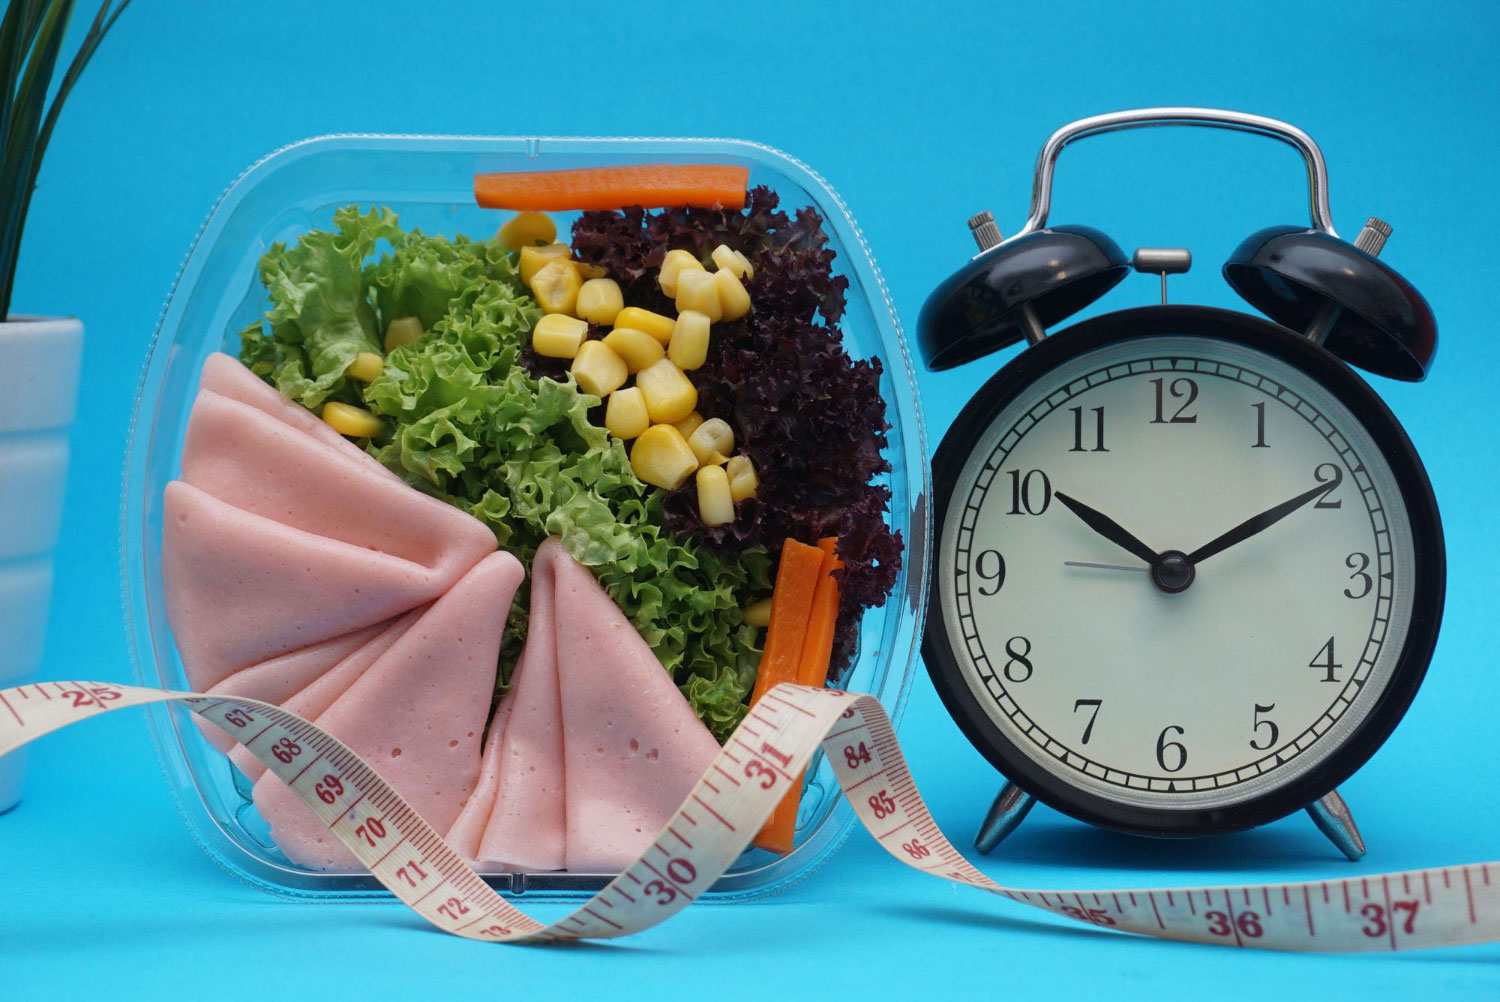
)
(1251, 526)
(1108, 528)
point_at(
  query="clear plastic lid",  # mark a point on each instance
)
(428, 181)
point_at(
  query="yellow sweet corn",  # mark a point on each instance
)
(556, 287)
(670, 396)
(728, 259)
(758, 613)
(558, 336)
(734, 301)
(597, 369)
(527, 229)
(534, 258)
(365, 367)
(743, 483)
(639, 349)
(689, 346)
(625, 416)
(712, 442)
(600, 300)
(661, 457)
(655, 324)
(689, 424)
(696, 290)
(672, 267)
(715, 506)
(400, 331)
(355, 422)
(588, 271)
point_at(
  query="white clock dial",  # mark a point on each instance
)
(1265, 662)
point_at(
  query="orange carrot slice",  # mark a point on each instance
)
(812, 669)
(651, 186)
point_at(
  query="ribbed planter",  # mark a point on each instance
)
(39, 360)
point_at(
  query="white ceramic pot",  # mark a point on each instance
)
(38, 393)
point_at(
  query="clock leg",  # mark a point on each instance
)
(1333, 819)
(1009, 810)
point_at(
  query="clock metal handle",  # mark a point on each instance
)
(1237, 121)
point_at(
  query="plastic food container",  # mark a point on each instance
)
(428, 181)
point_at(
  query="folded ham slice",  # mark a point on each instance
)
(516, 818)
(415, 714)
(282, 534)
(594, 748)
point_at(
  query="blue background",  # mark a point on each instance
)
(919, 115)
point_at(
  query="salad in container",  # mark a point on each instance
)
(523, 467)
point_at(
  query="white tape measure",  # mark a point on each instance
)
(1391, 911)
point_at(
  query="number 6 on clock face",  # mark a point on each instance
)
(1189, 571)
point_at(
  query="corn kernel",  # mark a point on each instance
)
(400, 331)
(743, 483)
(734, 301)
(655, 324)
(534, 258)
(600, 300)
(758, 613)
(672, 267)
(728, 259)
(527, 229)
(558, 336)
(597, 369)
(639, 349)
(556, 287)
(712, 442)
(689, 347)
(365, 367)
(670, 396)
(689, 424)
(715, 506)
(355, 422)
(625, 416)
(661, 457)
(588, 271)
(696, 290)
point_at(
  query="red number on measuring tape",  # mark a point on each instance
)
(238, 718)
(95, 696)
(453, 908)
(415, 873)
(285, 750)
(916, 850)
(329, 789)
(665, 892)
(767, 775)
(847, 714)
(769, 752)
(371, 830)
(1093, 916)
(1377, 926)
(881, 804)
(1248, 923)
(855, 756)
(1410, 908)
(494, 930)
(682, 870)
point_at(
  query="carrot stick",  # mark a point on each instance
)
(651, 186)
(791, 605)
(812, 669)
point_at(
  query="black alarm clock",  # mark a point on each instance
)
(1190, 569)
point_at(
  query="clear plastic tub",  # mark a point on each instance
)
(428, 181)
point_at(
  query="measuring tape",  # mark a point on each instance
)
(765, 756)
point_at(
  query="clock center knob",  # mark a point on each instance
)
(1173, 572)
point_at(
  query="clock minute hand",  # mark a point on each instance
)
(1108, 528)
(1251, 526)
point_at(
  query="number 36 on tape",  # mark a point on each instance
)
(1393, 911)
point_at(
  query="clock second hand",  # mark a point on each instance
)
(1103, 567)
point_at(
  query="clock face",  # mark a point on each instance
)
(1235, 667)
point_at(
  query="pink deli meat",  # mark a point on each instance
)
(416, 714)
(594, 748)
(278, 537)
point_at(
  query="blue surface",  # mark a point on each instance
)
(918, 119)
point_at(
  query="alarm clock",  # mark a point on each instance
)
(1189, 567)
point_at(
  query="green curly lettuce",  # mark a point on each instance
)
(470, 425)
